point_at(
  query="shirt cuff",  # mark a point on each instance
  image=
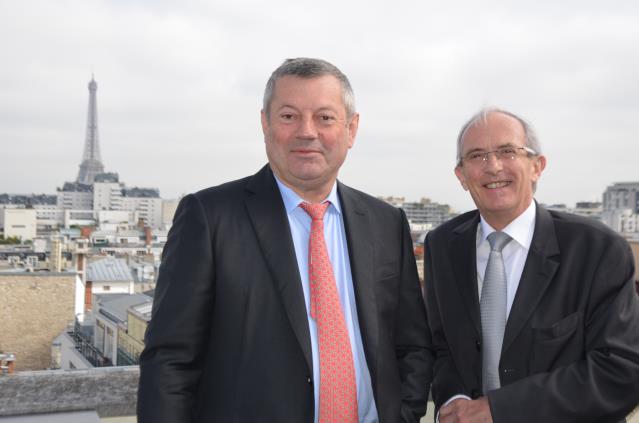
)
(451, 399)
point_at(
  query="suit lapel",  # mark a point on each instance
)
(463, 253)
(361, 252)
(536, 277)
(270, 223)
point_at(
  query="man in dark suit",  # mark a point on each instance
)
(533, 313)
(267, 312)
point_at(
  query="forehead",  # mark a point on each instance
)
(291, 89)
(495, 130)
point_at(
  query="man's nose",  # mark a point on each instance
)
(307, 128)
(494, 163)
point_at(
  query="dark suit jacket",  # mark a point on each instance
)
(229, 339)
(571, 345)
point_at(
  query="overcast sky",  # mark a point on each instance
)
(180, 86)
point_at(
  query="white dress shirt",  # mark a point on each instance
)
(335, 236)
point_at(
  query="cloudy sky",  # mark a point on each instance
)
(180, 86)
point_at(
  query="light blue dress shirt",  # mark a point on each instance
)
(335, 236)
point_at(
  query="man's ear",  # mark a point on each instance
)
(539, 166)
(352, 129)
(264, 120)
(459, 172)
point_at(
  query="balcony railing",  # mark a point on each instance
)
(86, 348)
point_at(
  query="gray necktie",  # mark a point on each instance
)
(493, 311)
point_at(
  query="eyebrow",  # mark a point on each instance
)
(508, 144)
(321, 109)
(286, 106)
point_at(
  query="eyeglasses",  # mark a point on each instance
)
(504, 153)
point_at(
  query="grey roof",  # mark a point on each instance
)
(107, 177)
(108, 269)
(76, 187)
(115, 306)
(112, 391)
(144, 310)
(106, 298)
(141, 192)
(28, 199)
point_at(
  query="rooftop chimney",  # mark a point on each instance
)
(148, 236)
(7, 364)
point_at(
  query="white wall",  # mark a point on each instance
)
(111, 220)
(149, 209)
(113, 287)
(106, 195)
(79, 296)
(20, 223)
(78, 200)
(106, 340)
(168, 211)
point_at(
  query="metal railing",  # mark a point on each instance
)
(87, 349)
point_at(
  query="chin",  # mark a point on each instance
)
(308, 171)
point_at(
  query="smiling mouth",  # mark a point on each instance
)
(305, 151)
(498, 184)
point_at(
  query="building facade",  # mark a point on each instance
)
(621, 208)
(34, 309)
(113, 338)
(423, 214)
(19, 223)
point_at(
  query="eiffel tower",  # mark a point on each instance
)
(91, 162)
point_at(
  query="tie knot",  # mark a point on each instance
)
(316, 211)
(498, 241)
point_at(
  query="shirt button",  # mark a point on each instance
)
(478, 345)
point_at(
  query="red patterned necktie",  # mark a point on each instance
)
(338, 392)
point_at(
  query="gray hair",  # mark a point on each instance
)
(532, 141)
(305, 67)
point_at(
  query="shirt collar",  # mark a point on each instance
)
(292, 200)
(521, 229)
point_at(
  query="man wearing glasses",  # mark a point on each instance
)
(533, 313)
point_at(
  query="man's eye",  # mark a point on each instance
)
(475, 156)
(326, 118)
(508, 150)
(286, 116)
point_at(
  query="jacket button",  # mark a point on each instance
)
(309, 380)
(474, 394)
(478, 345)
